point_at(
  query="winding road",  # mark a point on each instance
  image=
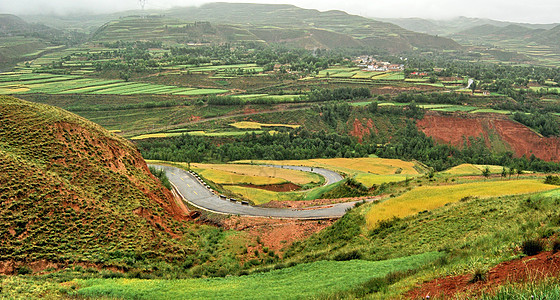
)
(194, 192)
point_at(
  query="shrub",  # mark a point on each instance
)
(556, 245)
(532, 247)
(555, 180)
(23, 270)
(344, 256)
(478, 275)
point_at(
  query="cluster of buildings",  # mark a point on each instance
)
(369, 63)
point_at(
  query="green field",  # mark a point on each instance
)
(311, 280)
(22, 83)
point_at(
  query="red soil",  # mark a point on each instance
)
(359, 130)
(531, 268)
(454, 129)
(274, 233)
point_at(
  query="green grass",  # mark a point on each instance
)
(456, 108)
(489, 110)
(302, 281)
(69, 84)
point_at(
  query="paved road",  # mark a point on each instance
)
(194, 192)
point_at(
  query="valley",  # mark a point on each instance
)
(269, 151)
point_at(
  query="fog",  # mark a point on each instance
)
(538, 11)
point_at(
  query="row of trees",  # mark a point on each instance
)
(407, 143)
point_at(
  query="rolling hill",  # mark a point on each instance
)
(71, 192)
(284, 24)
(21, 41)
(455, 25)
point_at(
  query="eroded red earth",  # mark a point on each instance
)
(495, 129)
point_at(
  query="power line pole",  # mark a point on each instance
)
(142, 4)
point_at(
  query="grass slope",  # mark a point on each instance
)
(302, 281)
(71, 191)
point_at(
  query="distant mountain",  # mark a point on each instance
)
(456, 25)
(505, 41)
(489, 32)
(12, 25)
(20, 41)
(70, 191)
(285, 24)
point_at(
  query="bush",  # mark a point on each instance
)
(555, 180)
(556, 245)
(479, 275)
(23, 270)
(532, 247)
(344, 256)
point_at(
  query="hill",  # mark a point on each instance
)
(22, 41)
(10, 25)
(72, 192)
(285, 24)
(498, 133)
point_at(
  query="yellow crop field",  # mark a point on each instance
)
(431, 197)
(256, 125)
(352, 166)
(473, 169)
(296, 177)
(224, 177)
(155, 135)
(259, 196)
(368, 180)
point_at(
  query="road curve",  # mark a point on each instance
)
(194, 192)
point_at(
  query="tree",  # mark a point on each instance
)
(473, 86)
(486, 172)
(504, 172)
(519, 172)
(511, 172)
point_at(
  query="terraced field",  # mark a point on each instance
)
(33, 83)
(470, 169)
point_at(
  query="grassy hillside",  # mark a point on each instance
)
(475, 233)
(71, 191)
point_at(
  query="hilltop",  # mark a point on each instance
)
(73, 192)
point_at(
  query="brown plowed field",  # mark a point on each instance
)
(495, 129)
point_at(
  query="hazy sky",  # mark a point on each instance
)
(536, 11)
